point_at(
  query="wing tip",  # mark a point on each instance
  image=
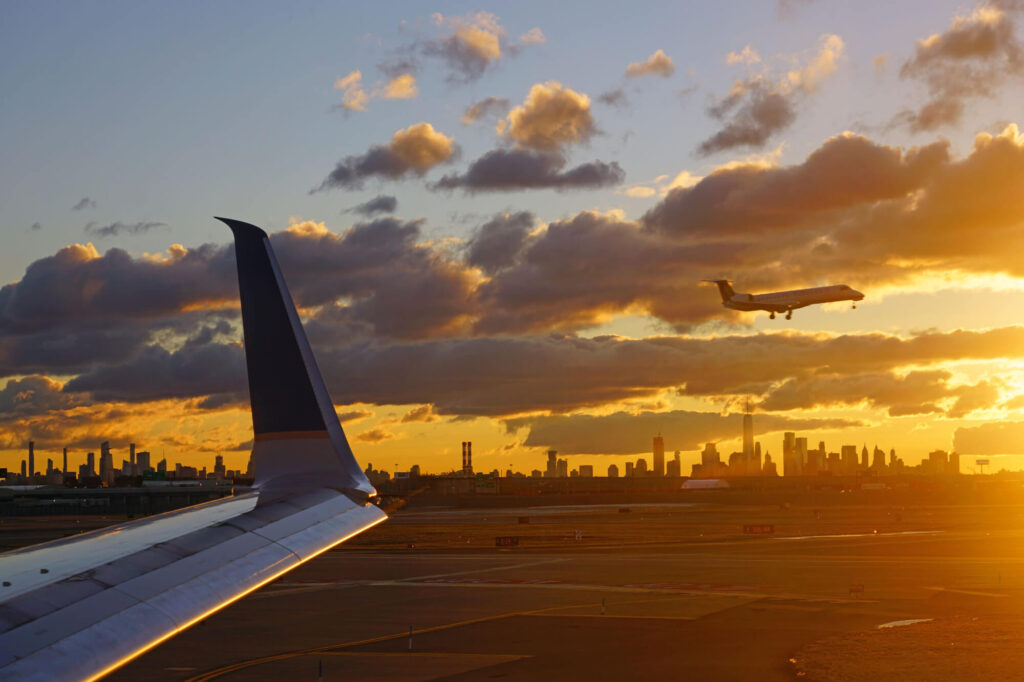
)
(240, 228)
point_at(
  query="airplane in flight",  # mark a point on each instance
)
(785, 301)
(80, 607)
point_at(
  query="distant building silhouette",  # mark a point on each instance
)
(659, 456)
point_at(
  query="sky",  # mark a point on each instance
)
(496, 220)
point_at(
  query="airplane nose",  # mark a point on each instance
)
(857, 295)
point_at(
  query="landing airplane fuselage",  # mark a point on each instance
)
(785, 301)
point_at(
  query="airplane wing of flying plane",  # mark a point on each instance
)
(79, 607)
(785, 301)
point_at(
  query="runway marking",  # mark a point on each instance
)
(859, 535)
(317, 585)
(973, 593)
(902, 623)
(234, 667)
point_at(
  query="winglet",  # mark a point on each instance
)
(298, 441)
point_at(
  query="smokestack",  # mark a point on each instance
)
(65, 469)
(469, 456)
(463, 455)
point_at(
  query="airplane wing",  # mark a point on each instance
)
(79, 607)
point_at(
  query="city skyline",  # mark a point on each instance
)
(496, 231)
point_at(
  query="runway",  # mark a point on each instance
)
(659, 592)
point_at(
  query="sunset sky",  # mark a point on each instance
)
(495, 221)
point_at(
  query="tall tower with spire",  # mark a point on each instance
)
(748, 439)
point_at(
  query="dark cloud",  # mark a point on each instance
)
(753, 118)
(393, 285)
(379, 204)
(973, 59)
(157, 373)
(917, 392)
(32, 395)
(414, 150)
(624, 433)
(397, 66)
(614, 98)
(495, 376)
(353, 415)
(509, 170)
(118, 228)
(496, 243)
(759, 106)
(578, 271)
(84, 203)
(846, 173)
(490, 106)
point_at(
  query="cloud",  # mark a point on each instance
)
(353, 415)
(470, 45)
(917, 392)
(489, 106)
(84, 203)
(504, 375)
(374, 436)
(157, 373)
(423, 413)
(846, 172)
(508, 170)
(533, 37)
(970, 60)
(745, 56)
(414, 150)
(624, 433)
(495, 244)
(32, 395)
(614, 98)
(810, 77)
(400, 87)
(353, 96)
(880, 63)
(760, 106)
(994, 438)
(118, 228)
(382, 203)
(551, 118)
(658, 64)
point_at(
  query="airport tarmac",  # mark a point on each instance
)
(655, 592)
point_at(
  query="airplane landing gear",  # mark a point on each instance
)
(772, 316)
(854, 306)
(789, 314)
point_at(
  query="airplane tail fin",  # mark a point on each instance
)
(724, 288)
(298, 442)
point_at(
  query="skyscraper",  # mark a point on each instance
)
(788, 452)
(31, 458)
(659, 456)
(748, 440)
(106, 463)
(65, 469)
(132, 471)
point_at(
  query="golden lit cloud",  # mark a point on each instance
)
(658, 64)
(551, 117)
